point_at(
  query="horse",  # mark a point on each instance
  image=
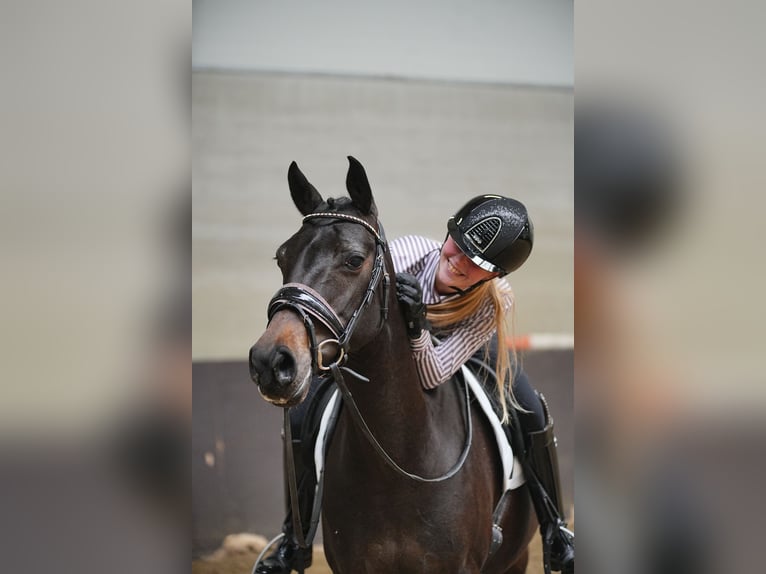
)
(437, 515)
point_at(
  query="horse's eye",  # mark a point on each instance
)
(354, 262)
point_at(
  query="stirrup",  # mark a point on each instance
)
(286, 558)
(558, 548)
(266, 548)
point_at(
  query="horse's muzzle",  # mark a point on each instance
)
(278, 364)
(275, 371)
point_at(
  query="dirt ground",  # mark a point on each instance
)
(240, 560)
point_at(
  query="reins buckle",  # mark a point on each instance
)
(341, 354)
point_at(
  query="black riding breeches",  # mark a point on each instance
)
(534, 418)
(299, 412)
(526, 396)
(306, 417)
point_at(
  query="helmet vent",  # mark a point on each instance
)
(484, 233)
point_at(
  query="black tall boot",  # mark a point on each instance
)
(541, 467)
(289, 555)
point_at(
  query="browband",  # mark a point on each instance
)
(360, 221)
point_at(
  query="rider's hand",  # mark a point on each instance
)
(410, 297)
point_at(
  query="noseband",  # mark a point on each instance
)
(311, 306)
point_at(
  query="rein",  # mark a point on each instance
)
(359, 420)
(311, 306)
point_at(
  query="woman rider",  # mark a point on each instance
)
(455, 300)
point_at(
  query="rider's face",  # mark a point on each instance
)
(457, 270)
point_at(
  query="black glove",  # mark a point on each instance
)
(410, 297)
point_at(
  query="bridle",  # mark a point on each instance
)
(310, 305)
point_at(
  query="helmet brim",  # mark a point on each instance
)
(468, 251)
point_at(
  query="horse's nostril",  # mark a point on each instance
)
(283, 366)
(258, 363)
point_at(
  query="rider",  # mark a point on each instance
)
(456, 292)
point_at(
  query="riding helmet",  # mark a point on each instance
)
(495, 232)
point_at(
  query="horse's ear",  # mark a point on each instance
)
(305, 196)
(359, 188)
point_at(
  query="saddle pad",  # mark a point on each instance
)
(513, 475)
(324, 430)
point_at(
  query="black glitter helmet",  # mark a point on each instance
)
(495, 232)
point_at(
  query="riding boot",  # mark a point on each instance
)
(289, 555)
(541, 468)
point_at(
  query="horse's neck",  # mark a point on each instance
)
(393, 402)
(387, 361)
(417, 428)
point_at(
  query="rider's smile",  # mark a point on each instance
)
(456, 270)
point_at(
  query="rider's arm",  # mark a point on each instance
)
(437, 363)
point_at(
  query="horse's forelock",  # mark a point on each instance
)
(335, 204)
(341, 204)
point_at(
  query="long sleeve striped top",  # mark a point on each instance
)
(419, 256)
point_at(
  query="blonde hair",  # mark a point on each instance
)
(449, 313)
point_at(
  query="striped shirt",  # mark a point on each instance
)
(419, 256)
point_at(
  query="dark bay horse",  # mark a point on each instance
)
(374, 519)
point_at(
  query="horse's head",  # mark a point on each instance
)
(331, 270)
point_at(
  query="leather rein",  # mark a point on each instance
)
(311, 306)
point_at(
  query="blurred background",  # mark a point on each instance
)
(440, 102)
(669, 181)
(95, 296)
